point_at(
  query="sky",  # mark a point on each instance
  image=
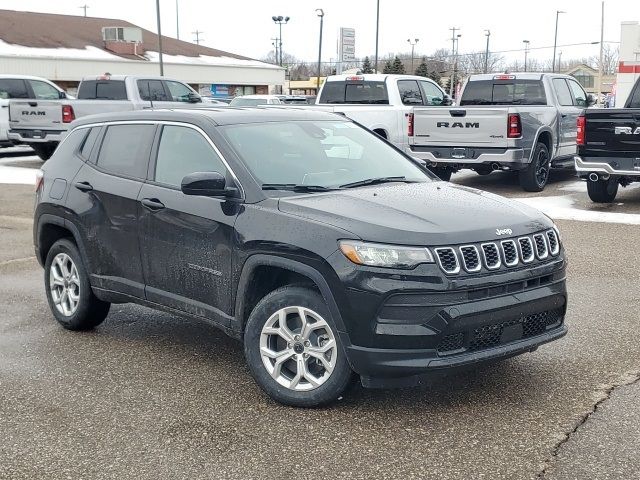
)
(246, 28)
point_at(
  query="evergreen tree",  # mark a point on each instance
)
(422, 70)
(397, 66)
(366, 66)
(388, 67)
(435, 76)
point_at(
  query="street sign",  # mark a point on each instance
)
(347, 45)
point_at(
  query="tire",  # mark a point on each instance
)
(264, 333)
(87, 311)
(484, 170)
(443, 173)
(44, 150)
(535, 177)
(602, 191)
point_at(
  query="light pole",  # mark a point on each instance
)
(159, 39)
(320, 13)
(413, 45)
(560, 60)
(486, 52)
(555, 41)
(280, 20)
(526, 52)
(453, 54)
(600, 66)
(377, 30)
(274, 42)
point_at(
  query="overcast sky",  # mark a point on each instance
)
(246, 27)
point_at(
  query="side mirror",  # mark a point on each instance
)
(62, 95)
(591, 100)
(206, 184)
(194, 98)
(447, 101)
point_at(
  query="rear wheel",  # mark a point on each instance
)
(534, 178)
(603, 191)
(293, 349)
(484, 170)
(443, 173)
(44, 150)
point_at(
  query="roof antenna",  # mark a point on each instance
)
(149, 93)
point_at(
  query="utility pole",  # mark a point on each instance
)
(159, 39)
(377, 32)
(486, 52)
(279, 20)
(560, 60)
(526, 52)
(84, 7)
(600, 66)
(320, 13)
(453, 54)
(555, 41)
(177, 21)
(198, 39)
(413, 44)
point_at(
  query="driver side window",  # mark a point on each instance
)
(579, 95)
(179, 92)
(432, 94)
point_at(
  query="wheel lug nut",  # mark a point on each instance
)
(306, 355)
(296, 338)
(307, 343)
(289, 345)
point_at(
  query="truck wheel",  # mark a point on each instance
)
(69, 293)
(602, 191)
(44, 150)
(534, 178)
(484, 170)
(293, 348)
(443, 173)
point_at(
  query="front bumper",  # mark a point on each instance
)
(36, 136)
(473, 156)
(628, 167)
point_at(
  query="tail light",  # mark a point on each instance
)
(514, 126)
(39, 180)
(581, 134)
(410, 124)
(68, 115)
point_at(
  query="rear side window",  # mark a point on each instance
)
(503, 92)
(87, 146)
(409, 92)
(102, 90)
(13, 88)
(125, 150)
(183, 151)
(71, 144)
(354, 92)
(44, 91)
(563, 92)
(152, 90)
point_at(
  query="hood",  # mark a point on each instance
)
(437, 213)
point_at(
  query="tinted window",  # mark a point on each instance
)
(562, 91)
(183, 151)
(152, 90)
(125, 149)
(179, 92)
(90, 140)
(354, 92)
(70, 145)
(44, 91)
(410, 92)
(102, 90)
(503, 92)
(13, 88)
(634, 99)
(579, 95)
(431, 93)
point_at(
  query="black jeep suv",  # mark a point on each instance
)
(325, 249)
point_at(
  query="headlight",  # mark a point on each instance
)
(390, 256)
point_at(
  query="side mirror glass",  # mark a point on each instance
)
(591, 100)
(62, 95)
(447, 101)
(206, 184)
(194, 98)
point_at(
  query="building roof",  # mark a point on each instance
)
(69, 36)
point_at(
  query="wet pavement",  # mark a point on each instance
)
(152, 396)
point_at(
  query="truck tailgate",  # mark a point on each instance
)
(35, 114)
(460, 126)
(612, 133)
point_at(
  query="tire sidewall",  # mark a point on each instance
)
(528, 177)
(281, 298)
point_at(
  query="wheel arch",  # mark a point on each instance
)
(52, 228)
(544, 136)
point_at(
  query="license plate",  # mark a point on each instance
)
(458, 153)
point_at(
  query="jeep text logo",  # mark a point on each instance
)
(503, 231)
(627, 131)
(458, 125)
(33, 112)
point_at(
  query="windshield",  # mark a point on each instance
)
(320, 153)
(503, 92)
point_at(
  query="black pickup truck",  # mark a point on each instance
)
(609, 148)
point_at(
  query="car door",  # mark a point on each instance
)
(568, 114)
(186, 241)
(104, 193)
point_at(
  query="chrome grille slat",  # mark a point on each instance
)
(526, 249)
(554, 244)
(542, 251)
(448, 260)
(491, 256)
(510, 253)
(470, 258)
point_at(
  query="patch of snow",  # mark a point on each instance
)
(562, 208)
(89, 52)
(207, 60)
(17, 175)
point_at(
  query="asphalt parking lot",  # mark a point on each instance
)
(150, 395)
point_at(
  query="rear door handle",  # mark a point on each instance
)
(84, 186)
(152, 204)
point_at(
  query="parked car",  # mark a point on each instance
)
(23, 87)
(524, 122)
(43, 124)
(609, 148)
(322, 247)
(255, 100)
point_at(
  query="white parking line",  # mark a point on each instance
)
(562, 208)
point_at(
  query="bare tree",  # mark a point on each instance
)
(609, 59)
(470, 63)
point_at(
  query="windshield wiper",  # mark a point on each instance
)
(296, 188)
(375, 181)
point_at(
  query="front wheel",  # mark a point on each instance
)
(534, 178)
(293, 349)
(602, 191)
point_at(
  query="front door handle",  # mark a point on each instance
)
(84, 186)
(152, 204)
(564, 115)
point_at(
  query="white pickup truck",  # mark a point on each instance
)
(525, 122)
(42, 124)
(380, 102)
